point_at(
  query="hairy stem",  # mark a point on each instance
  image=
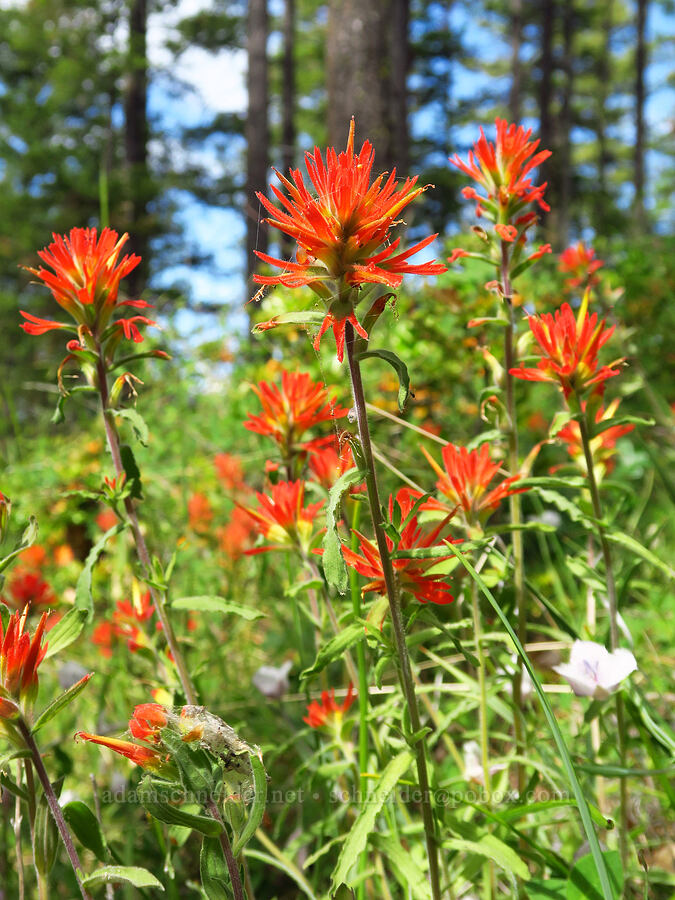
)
(53, 803)
(231, 862)
(515, 511)
(404, 667)
(613, 624)
(158, 597)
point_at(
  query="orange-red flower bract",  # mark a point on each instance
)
(580, 262)
(328, 461)
(287, 413)
(413, 574)
(147, 721)
(20, 656)
(603, 445)
(144, 757)
(26, 588)
(84, 281)
(465, 480)
(502, 169)
(283, 519)
(342, 230)
(328, 712)
(569, 350)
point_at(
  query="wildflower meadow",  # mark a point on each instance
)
(380, 606)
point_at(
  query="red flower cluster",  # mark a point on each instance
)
(85, 282)
(569, 350)
(328, 712)
(342, 232)
(414, 575)
(126, 619)
(328, 461)
(200, 512)
(579, 262)
(502, 169)
(20, 657)
(235, 536)
(287, 413)
(283, 519)
(26, 588)
(465, 480)
(145, 725)
(229, 470)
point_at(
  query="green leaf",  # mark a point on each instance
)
(604, 424)
(492, 848)
(560, 419)
(83, 596)
(552, 889)
(333, 563)
(137, 423)
(160, 807)
(193, 762)
(306, 317)
(625, 540)
(63, 700)
(134, 875)
(566, 506)
(85, 826)
(213, 871)
(399, 367)
(258, 807)
(410, 876)
(335, 648)
(132, 471)
(213, 603)
(365, 823)
(27, 539)
(45, 838)
(284, 864)
(311, 584)
(66, 631)
(583, 883)
(12, 786)
(568, 766)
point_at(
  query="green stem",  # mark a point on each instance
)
(158, 598)
(230, 861)
(398, 627)
(482, 687)
(515, 511)
(613, 623)
(53, 804)
(363, 690)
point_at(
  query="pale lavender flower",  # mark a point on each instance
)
(595, 672)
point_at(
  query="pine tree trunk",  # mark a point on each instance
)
(546, 69)
(604, 76)
(136, 145)
(400, 64)
(565, 142)
(639, 214)
(358, 75)
(257, 136)
(288, 105)
(516, 69)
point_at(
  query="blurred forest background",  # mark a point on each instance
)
(92, 131)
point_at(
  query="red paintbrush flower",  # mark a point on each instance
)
(328, 712)
(283, 519)
(229, 470)
(569, 350)
(502, 170)
(128, 616)
(579, 262)
(235, 536)
(287, 413)
(413, 574)
(603, 445)
(147, 722)
(20, 657)
(200, 512)
(465, 479)
(328, 461)
(85, 275)
(342, 230)
(27, 589)
(144, 757)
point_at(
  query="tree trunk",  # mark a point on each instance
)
(257, 136)
(400, 64)
(357, 75)
(565, 142)
(136, 144)
(546, 68)
(639, 214)
(288, 106)
(604, 75)
(516, 69)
